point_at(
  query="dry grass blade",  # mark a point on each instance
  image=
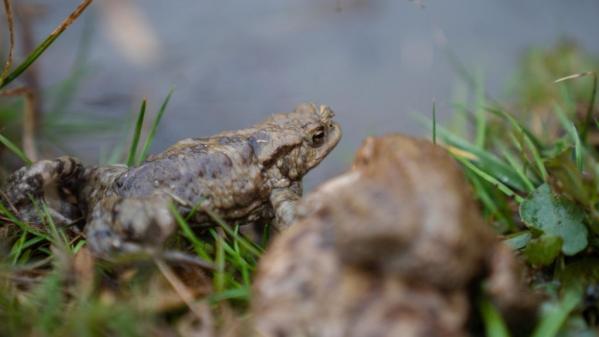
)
(182, 291)
(30, 126)
(573, 76)
(45, 44)
(589, 114)
(19, 91)
(71, 18)
(11, 37)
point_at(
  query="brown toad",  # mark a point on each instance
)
(394, 247)
(245, 176)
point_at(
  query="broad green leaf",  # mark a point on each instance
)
(543, 250)
(518, 240)
(556, 216)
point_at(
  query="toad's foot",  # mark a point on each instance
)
(45, 180)
(129, 224)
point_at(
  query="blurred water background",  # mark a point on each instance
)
(375, 62)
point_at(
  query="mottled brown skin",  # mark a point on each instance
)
(393, 247)
(245, 176)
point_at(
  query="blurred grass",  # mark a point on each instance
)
(535, 174)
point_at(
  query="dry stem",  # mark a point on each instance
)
(201, 313)
(11, 37)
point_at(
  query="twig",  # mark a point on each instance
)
(29, 127)
(32, 108)
(19, 91)
(182, 291)
(11, 37)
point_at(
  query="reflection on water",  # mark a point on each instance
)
(374, 61)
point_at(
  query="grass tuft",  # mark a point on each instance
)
(152, 132)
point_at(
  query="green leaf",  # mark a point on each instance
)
(518, 240)
(543, 251)
(556, 216)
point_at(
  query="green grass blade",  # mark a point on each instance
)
(17, 248)
(486, 161)
(198, 245)
(137, 133)
(490, 179)
(552, 321)
(577, 147)
(589, 114)
(480, 116)
(22, 225)
(529, 139)
(237, 293)
(434, 123)
(513, 162)
(57, 236)
(152, 133)
(494, 324)
(490, 202)
(590, 109)
(219, 262)
(516, 125)
(15, 149)
(536, 155)
(249, 246)
(41, 48)
(569, 126)
(238, 263)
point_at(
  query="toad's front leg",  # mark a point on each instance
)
(118, 224)
(285, 202)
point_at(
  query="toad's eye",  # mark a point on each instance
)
(318, 138)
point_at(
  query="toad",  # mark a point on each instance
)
(245, 176)
(394, 247)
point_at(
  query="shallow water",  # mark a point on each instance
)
(375, 62)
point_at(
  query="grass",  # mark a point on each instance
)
(520, 172)
(538, 185)
(132, 158)
(41, 48)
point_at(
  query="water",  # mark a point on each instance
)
(374, 62)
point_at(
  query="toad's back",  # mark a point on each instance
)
(223, 172)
